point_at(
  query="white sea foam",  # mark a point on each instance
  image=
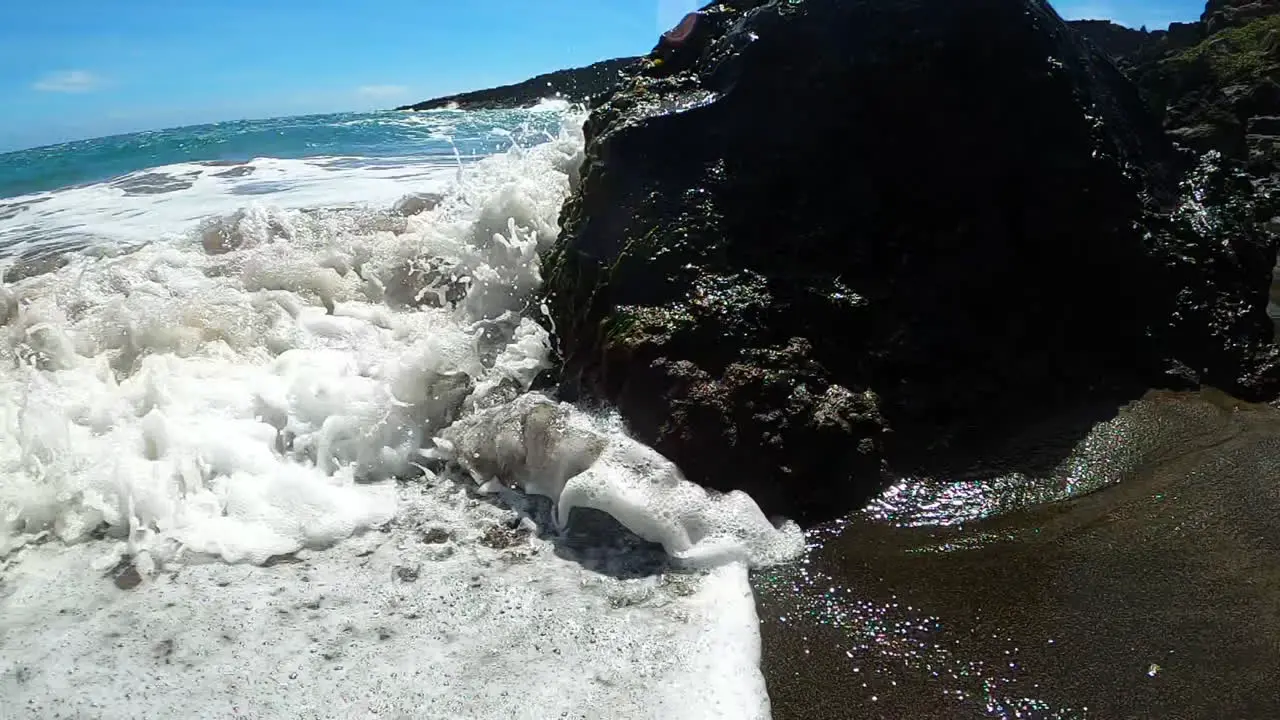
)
(252, 388)
(232, 398)
(552, 104)
(584, 461)
(167, 203)
(385, 625)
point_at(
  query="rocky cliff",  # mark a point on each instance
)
(1213, 83)
(575, 85)
(1131, 48)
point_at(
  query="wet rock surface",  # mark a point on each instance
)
(819, 244)
(1153, 597)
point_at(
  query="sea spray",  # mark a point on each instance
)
(249, 397)
(227, 418)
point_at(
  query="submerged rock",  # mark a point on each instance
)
(820, 240)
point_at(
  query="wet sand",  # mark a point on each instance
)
(1156, 596)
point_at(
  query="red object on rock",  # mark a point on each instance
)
(679, 35)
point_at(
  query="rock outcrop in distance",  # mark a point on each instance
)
(1213, 83)
(575, 85)
(818, 244)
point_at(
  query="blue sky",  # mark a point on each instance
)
(83, 68)
(1155, 14)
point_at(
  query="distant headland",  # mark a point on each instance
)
(575, 85)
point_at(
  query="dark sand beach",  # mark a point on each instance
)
(1155, 597)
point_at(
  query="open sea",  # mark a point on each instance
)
(268, 446)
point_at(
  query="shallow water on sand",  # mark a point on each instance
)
(1155, 597)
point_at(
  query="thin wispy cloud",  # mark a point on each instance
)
(381, 92)
(68, 81)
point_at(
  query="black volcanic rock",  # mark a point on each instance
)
(576, 85)
(1135, 49)
(1215, 83)
(1118, 41)
(832, 240)
(1223, 14)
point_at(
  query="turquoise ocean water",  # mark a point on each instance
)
(385, 135)
(147, 186)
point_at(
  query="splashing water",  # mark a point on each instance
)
(232, 403)
(257, 387)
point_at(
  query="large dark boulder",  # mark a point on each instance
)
(820, 241)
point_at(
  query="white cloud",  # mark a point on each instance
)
(68, 81)
(380, 92)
